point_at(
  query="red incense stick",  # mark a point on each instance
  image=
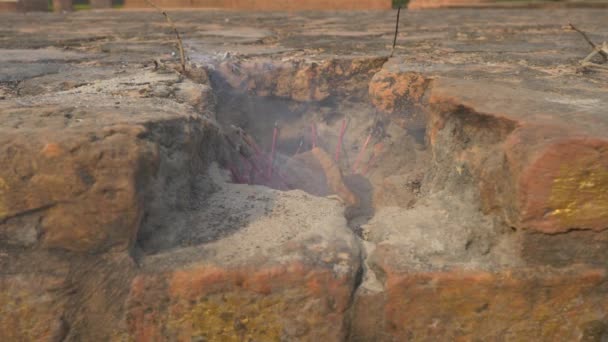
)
(360, 154)
(339, 147)
(275, 134)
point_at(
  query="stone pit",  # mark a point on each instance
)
(296, 183)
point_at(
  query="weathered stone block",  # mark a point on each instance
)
(291, 301)
(32, 307)
(271, 276)
(83, 189)
(547, 173)
(455, 303)
(300, 80)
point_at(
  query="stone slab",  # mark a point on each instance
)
(507, 102)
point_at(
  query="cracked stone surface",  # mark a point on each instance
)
(482, 212)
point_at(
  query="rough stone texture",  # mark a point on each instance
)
(557, 172)
(213, 303)
(285, 271)
(459, 304)
(502, 236)
(31, 308)
(401, 95)
(34, 300)
(87, 150)
(83, 186)
(301, 80)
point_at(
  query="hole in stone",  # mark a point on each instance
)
(338, 147)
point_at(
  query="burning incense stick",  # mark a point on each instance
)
(339, 147)
(275, 133)
(313, 135)
(361, 151)
(299, 146)
(369, 164)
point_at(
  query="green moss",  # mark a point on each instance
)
(402, 3)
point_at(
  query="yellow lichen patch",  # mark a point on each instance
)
(390, 91)
(579, 196)
(16, 316)
(232, 316)
(25, 315)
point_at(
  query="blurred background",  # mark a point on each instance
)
(284, 5)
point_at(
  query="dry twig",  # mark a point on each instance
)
(586, 63)
(180, 45)
(361, 151)
(596, 49)
(340, 139)
(396, 31)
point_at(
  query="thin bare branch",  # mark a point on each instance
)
(396, 31)
(180, 45)
(592, 44)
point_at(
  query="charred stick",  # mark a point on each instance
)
(592, 44)
(360, 154)
(339, 147)
(396, 31)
